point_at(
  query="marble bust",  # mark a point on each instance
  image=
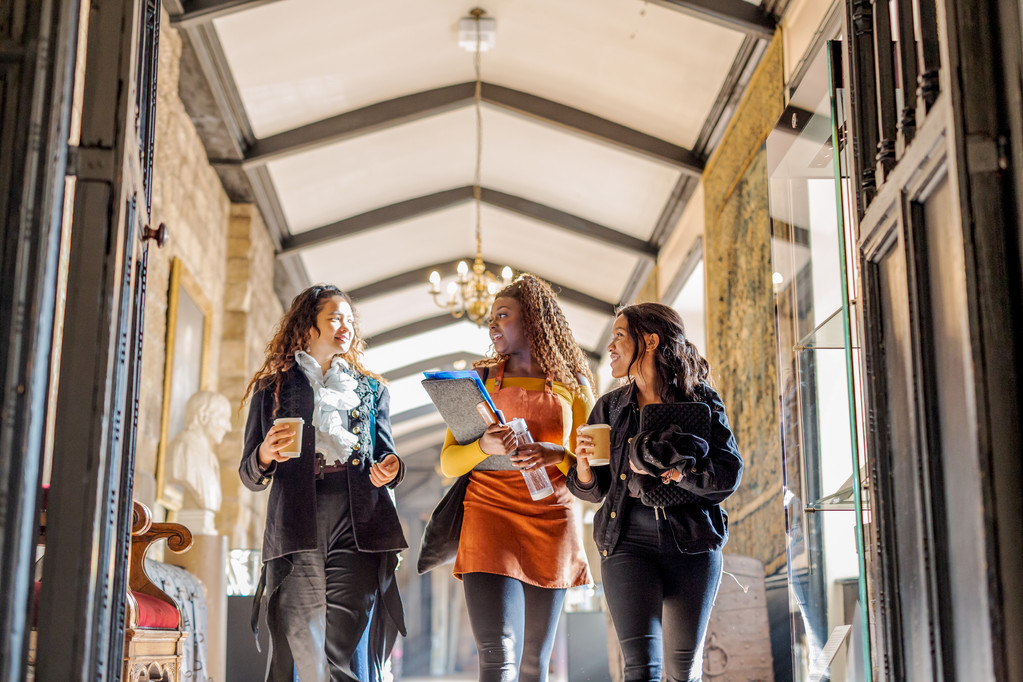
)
(192, 464)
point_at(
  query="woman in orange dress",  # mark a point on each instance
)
(516, 556)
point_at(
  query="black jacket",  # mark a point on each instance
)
(698, 527)
(291, 510)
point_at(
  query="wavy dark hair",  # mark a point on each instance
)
(293, 334)
(680, 369)
(550, 339)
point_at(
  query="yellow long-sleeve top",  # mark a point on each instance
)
(576, 404)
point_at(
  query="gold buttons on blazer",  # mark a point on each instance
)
(605, 552)
(355, 461)
(357, 446)
(622, 477)
(354, 414)
(614, 514)
(356, 430)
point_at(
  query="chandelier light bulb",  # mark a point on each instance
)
(435, 278)
(452, 288)
(463, 268)
(506, 274)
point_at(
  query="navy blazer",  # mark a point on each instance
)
(698, 527)
(291, 510)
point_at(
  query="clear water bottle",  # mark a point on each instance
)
(537, 480)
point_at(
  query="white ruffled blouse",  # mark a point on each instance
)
(333, 394)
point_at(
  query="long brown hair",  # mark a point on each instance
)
(550, 339)
(293, 334)
(679, 367)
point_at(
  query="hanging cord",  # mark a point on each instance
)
(477, 181)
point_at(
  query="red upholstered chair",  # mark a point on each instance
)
(153, 638)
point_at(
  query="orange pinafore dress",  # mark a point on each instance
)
(506, 532)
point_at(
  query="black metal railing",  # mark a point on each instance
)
(894, 61)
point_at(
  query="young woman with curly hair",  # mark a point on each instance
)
(516, 556)
(332, 536)
(661, 565)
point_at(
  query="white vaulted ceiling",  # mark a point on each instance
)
(356, 132)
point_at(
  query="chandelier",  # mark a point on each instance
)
(471, 293)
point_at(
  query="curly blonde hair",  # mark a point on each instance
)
(293, 333)
(550, 339)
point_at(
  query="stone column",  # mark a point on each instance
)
(251, 310)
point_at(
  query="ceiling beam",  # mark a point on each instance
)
(431, 363)
(594, 126)
(419, 105)
(567, 221)
(429, 324)
(414, 413)
(412, 208)
(196, 12)
(420, 277)
(368, 119)
(737, 15)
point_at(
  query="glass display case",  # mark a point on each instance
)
(826, 503)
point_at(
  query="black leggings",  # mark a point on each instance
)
(499, 610)
(660, 599)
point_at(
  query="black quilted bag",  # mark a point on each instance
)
(666, 428)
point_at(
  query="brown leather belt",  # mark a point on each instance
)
(321, 468)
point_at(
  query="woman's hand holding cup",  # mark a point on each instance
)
(278, 438)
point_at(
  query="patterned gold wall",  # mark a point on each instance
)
(740, 310)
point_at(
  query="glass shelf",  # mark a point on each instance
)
(829, 334)
(840, 500)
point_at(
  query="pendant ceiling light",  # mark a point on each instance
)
(471, 293)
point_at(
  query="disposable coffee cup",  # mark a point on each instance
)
(295, 425)
(601, 435)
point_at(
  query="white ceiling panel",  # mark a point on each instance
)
(647, 67)
(574, 260)
(409, 426)
(408, 393)
(574, 173)
(407, 305)
(376, 254)
(397, 308)
(461, 336)
(588, 326)
(375, 170)
(523, 157)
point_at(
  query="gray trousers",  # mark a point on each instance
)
(320, 601)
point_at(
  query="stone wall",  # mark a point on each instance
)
(188, 197)
(740, 310)
(227, 254)
(251, 310)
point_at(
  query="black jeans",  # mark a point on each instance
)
(321, 601)
(513, 624)
(659, 598)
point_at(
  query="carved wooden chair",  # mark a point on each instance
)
(153, 636)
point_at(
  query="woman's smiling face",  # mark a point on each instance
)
(335, 328)
(621, 348)
(506, 330)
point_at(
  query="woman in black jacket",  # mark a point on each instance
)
(332, 536)
(661, 565)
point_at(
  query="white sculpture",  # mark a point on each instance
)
(192, 463)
